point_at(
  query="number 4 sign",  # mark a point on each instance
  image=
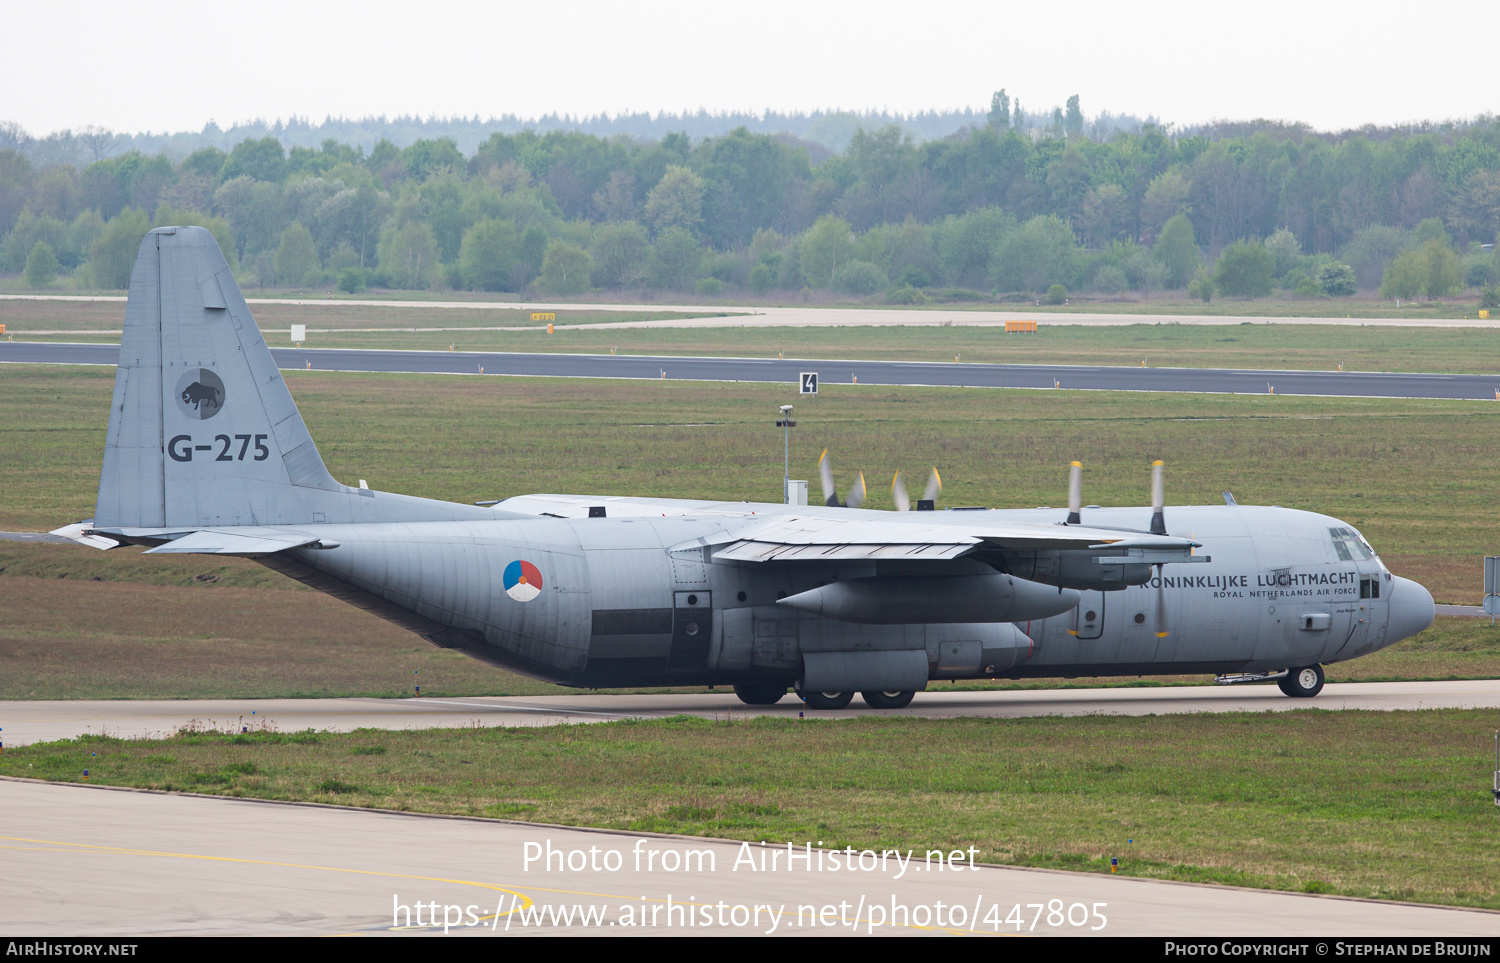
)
(809, 383)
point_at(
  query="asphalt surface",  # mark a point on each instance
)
(85, 860)
(24, 722)
(1071, 377)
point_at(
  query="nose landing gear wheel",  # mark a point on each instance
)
(827, 700)
(887, 700)
(759, 693)
(1302, 683)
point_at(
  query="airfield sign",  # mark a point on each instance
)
(809, 383)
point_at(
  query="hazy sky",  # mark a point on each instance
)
(1332, 64)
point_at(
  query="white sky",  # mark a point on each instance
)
(1332, 64)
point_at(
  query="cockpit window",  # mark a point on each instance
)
(1350, 545)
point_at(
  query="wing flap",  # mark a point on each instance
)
(758, 551)
(218, 542)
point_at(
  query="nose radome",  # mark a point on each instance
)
(1411, 609)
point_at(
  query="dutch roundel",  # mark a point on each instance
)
(523, 581)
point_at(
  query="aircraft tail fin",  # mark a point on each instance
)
(202, 429)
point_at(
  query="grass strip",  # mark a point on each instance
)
(1388, 805)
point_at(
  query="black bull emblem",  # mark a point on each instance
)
(198, 394)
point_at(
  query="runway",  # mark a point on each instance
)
(24, 722)
(813, 316)
(881, 373)
(84, 860)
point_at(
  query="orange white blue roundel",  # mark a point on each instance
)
(523, 581)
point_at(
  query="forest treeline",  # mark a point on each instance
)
(994, 210)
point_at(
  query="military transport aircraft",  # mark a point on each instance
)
(206, 454)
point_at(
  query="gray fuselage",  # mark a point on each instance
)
(632, 601)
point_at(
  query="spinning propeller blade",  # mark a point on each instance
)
(934, 485)
(1075, 493)
(825, 475)
(898, 494)
(1158, 520)
(857, 493)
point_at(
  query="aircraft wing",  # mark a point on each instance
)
(248, 543)
(813, 538)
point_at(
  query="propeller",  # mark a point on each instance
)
(1075, 493)
(898, 494)
(929, 494)
(934, 485)
(1159, 527)
(1158, 499)
(857, 493)
(825, 475)
(830, 491)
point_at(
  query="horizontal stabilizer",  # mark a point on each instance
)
(262, 542)
(82, 533)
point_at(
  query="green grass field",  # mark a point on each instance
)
(1385, 805)
(1416, 476)
(1245, 345)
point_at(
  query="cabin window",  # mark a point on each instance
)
(1349, 545)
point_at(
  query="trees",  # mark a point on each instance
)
(1104, 214)
(676, 201)
(112, 255)
(1245, 269)
(965, 246)
(620, 252)
(1040, 253)
(41, 266)
(263, 159)
(1285, 250)
(1336, 279)
(1433, 270)
(1201, 286)
(1073, 119)
(565, 268)
(1166, 197)
(1372, 250)
(858, 277)
(408, 254)
(999, 115)
(425, 158)
(1109, 280)
(296, 256)
(1476, 205)
(675, 259)
(487, 257)
(1177, 250)
(826, 247)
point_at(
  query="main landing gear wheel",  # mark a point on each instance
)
(827, 700)
(1303, 683)
(887, 700)
(759, 693)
